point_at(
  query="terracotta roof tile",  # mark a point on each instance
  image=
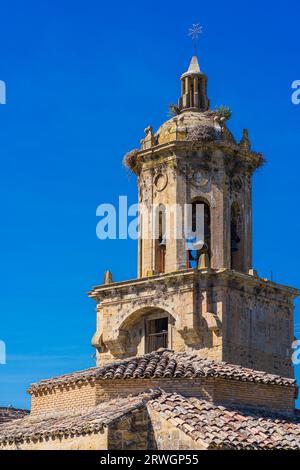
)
(223, 427)
(73, 423)
(9, 414)
(164, 364)
(216, 426)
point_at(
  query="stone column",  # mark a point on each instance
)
(196, 93)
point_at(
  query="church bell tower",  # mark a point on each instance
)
(194, 160)
(196, 294)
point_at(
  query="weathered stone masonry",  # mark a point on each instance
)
(196, 352)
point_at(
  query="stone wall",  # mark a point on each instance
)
(165, 436)
(258, 327)
(223, 315)
(123, 308)
(131, 432)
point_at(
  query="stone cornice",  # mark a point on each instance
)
(189, 275)
(169, 148)
(179, 276)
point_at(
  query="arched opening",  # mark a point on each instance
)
(160, 240)
(199, 247)
(236, 238)
(148, 329)
(192, 94)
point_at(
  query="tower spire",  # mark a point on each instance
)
(194, 88)
(193, 81)
(194, 66)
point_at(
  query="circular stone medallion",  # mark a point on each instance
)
(160, 182)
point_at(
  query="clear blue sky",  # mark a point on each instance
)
(83, 81)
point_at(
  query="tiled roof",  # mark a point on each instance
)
(210, 425)
(219, 427)
(9, 413)
(163, 364)
(73, 423)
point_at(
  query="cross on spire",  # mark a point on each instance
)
(195, 32)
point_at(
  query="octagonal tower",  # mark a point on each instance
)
(194, 158)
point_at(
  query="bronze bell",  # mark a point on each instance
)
(204, 262)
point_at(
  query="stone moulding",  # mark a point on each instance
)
(104, 291)
(164, 150)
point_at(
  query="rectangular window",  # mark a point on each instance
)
(156, 334)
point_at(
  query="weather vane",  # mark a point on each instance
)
(195, 32)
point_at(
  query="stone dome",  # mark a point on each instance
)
(194, 126)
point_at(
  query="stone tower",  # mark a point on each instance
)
(192, 296)
(194, 158)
